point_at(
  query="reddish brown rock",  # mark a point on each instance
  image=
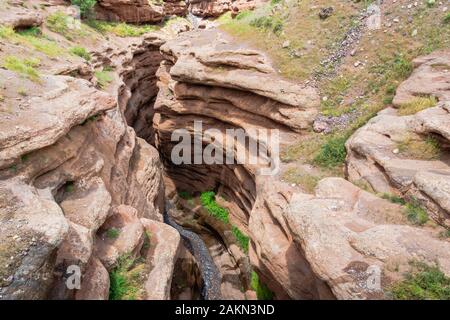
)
(132, 11)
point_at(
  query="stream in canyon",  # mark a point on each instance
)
(211, 277)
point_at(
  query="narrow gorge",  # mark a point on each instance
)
(93, 205)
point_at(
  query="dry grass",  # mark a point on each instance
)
(417, 105)
(305, 180)
(421, 149)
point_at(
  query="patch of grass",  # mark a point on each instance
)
(335, 90)
(333, 152)
(307, 181)
(425, 282)
(104, 78)
(84, 5)
(65, 25)
(147, 238)
(393, 198)
(208, 200)
(445, 234)
(26, 67)
(112, 233)
(262, 292)
(32, 37)
(81, 52)
(415, 213)
(126, 279)
(421, 149)
(22, 92)
(418, 104)
(120, 29)
(6, 32)
(241, 238)
(446, 19)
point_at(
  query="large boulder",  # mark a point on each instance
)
(358, 243)
(132, 11)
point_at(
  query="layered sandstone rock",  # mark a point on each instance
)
(356, 242)
(71, 170)
(139, 11)
(215, 8)
(376, 155)
(205, 77)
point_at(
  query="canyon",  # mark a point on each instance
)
(87, 177)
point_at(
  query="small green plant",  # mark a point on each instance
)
(332, 153)
(6, 32)
(393, 198)
(208, 200)
(268, 23)
(81, 52)
(125, 279)
(445, 234)
(22, 91)
(61, 23)
(424, 283)
(447, 18)
(69, 187)
(104, 78)
(418, 148)
(84, 5)
(112, 233)
(241, 238)
(415, 213)
(147, 238)
(262, 292)
(120, 29)
(26, 67)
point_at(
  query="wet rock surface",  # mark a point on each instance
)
(209, 273)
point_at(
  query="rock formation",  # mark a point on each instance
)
(374, 151)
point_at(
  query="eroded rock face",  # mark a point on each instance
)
(379, 153)
(133, 11)
(139, 11)
(205, 77)
(71, 170)
(21, 18)
(348, 235)
(215, 8)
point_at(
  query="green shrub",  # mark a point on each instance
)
(81, 52)
(85, 5)
(425, 283)
(332, 153)
(123, 284)
(120, 29)
(262, 292)
(241, 238)
(23, 66)
(112, 233)
(208, 200)
(393, 198)
(415, 213)
(104, 78)
(6, 32)
(268, 23)
(447, 18)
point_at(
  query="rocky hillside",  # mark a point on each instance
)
(359, 93)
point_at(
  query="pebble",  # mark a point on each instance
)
(396, 151)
